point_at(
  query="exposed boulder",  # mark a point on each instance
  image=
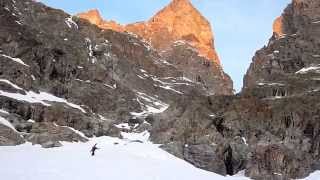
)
(9, 137)
(206, 157)
(50, 134)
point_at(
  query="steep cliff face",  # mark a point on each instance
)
(176, 24)
(284, 76)
(178, 21)
(294, 45)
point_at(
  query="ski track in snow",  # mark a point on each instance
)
(122, 161)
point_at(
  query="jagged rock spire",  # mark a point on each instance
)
(179, 20)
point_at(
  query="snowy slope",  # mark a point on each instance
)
(123, 161)
(133, 157)
(313, 176)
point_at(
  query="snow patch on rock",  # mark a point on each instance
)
(42, 98)
(171, 89)
(70, 23)
(114, 86)
(7, 123)
(11, 84)
(3, 111)
(309, 69)
(149, 105)
(270, 84)
(74, 130)
(141, 137)
(18, 60)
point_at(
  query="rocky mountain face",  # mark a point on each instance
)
(284, 77)
(178, 24)
(60, 75)
(270, 129)
(64, 79)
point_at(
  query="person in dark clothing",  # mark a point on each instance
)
(93, 149)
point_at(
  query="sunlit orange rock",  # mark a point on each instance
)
(93, 16)
(278, 27)
(177, 21)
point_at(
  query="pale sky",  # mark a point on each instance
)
(240, 27)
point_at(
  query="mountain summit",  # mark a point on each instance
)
(180, 20)
(93, 16)
(181, 36)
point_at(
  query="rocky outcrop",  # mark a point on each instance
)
(50, 134)
(9, 137)
(94, 17)
(278, 27)
(176, 24)
(206, 157)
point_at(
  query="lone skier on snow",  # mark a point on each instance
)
(93, 149)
